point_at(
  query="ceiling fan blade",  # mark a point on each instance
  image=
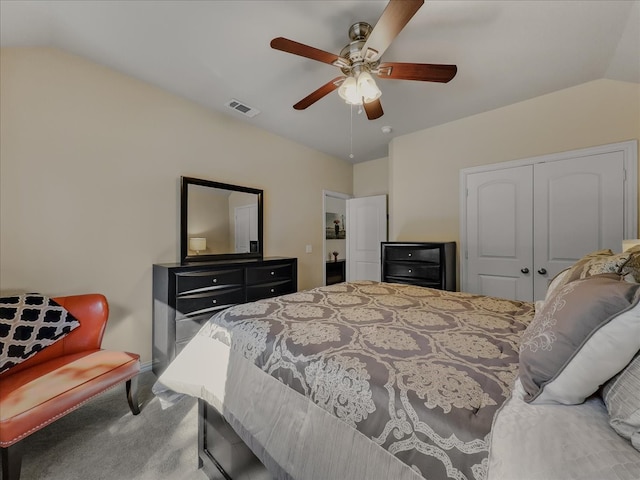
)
(373, 109)
(313, 97)
(306, 51)
(425, 72)
(394, 18)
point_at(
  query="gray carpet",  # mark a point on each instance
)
(102, 440)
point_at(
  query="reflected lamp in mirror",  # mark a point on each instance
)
(628, 243)
(197, 244)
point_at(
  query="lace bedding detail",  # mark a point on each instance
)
(421, 372)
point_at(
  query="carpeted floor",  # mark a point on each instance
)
(102, 440)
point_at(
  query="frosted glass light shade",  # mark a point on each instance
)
(355, 91)
(197, 244)
(348, 91)
(367, 87)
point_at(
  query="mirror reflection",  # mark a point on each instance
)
(219, 220)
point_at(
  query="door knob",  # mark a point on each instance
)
(524, 270)
(542, 271)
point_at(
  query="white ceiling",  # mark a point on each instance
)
(213, 51)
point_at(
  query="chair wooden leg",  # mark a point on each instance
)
(12, 461)
(132, 395)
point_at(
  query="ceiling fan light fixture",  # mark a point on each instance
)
(348, 91)
(367, 87)
(358, 91)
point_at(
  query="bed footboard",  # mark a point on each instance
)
(222, 454)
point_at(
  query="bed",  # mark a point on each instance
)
(370, 380)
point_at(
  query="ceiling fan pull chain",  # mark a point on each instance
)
(351, 132)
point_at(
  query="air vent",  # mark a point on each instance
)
(242, 108)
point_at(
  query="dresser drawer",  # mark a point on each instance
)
(272, 289)
(413, 254)
(210, 301)
(413, 270)
(208, 280)
(187, 327)
(269, 273)
(415, 281)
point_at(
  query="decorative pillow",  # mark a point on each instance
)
(626, 263)
(557, 282)
(621, 395)
(28, 323)
(632, 266)
(585, 334)
(581, 269)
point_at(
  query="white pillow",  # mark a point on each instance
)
(621, 395)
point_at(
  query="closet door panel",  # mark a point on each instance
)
(499, 233)
(579, 208)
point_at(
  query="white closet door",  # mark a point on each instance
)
(500, 232)
(366, 229)
(579, 208)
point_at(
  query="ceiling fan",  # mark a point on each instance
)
(361, 58)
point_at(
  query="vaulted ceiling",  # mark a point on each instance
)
(214, 51)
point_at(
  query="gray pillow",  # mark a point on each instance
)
(586, 333)
(621, 395)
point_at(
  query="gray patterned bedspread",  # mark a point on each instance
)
(421, 372)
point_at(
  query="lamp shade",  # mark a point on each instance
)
(628, 243)
(197, 244)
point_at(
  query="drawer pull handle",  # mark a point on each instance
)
(410, 270)
(215, 301)
(273, 290)
(215, 280)
(273, 273)
(409, 254)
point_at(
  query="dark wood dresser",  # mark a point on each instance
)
(430, 264)
(186, 296)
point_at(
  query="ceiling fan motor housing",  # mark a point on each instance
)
(358, 33)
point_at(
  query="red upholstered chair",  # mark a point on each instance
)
(60, 378)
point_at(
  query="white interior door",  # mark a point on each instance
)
(499, 233)
(246, 227)
(366, 229)
(579, 208)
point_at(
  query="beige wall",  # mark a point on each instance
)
(424, 167)
(90, 162)
(371, 178)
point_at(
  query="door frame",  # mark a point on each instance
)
(629, 151)
(325, 194)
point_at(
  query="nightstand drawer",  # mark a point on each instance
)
(210, 301)
(413, 254)
(417, 270)
(269, 273)
(273, 289)
(208, 280)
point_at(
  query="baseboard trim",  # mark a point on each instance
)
(146, 367)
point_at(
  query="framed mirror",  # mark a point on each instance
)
(219, 221)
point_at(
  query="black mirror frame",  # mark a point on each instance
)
(184, 241)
